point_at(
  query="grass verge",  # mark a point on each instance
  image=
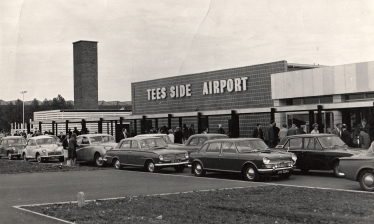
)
(263, 204)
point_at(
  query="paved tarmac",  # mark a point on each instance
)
(34, 188)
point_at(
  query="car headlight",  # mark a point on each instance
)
(186, 155)
(161, 157)
(14, 149)
(294, 157)
(43, 151)
(266, 160)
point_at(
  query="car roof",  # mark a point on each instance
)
(41, 136)
(152, 134)
(94, 135)
(209, 134)
(142, 137)
(310, 135)
(12, 137)
(233, 139)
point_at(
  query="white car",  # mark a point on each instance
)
(42, 148)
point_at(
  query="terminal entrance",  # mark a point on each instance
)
(302, 120)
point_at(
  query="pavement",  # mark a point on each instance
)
(36, 188)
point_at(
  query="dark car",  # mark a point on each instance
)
(194, 142)
(317, 151)
(12, 146)
(360, 168)
(148, 152)
(249, 156)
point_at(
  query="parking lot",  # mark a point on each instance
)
(49, 187)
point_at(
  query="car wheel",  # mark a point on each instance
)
(151, 167)
(98, 160)
(9, 156)
(39, 158)
(335, 168)
(179, 168)
(366, 180)
(198, 169)
(117, 165)
(251, 173)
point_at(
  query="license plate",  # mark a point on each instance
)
(283, 171)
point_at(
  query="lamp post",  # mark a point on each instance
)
(23, 108)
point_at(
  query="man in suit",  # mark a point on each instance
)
(338, 131)
(362, 127)
(257, 133)
(270, 137)
(292, 130)
(346, 136)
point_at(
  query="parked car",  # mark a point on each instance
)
(163, 136)
(249, 156)
(42, 148)
(12, 146)
(148, 152)
(92, 147)
(360, 168)
(194, 142)
(317, 151)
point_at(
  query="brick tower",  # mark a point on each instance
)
(85, 75)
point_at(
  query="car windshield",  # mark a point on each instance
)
(250, 145)
(167, 139)
(331, 141)
(153, 142)
(17, 141)
(45, 141)
(101, 139)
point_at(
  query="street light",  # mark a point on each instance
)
(23, 105)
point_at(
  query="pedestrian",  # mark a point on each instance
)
(269, 137)
(133, 133)
(220, 129)
(257, 132)
(346, 136)
(171, 135)
(70, 133)
(76, 132)
(283, 132)
(276, 134)
(65, 145)
(363, 126)
(315, 129)
(191, 130)
(72, 149)
(186, 133)
(299, 130)
(178, 136)
(205, 130)
(337, 130)
(364, 140)
(124, 134)
(292, 130)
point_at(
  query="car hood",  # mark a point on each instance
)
(50, 148)
(274, 156)
(164, 151)
(361, 156)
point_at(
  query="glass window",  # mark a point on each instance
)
(134, 144)
(249, 145)
(331, 141)
(325, 99)
(370, 95)
(355, 96)
(214, 147)
(203, 148)
(45, 141)
(85, 140)
(295, 143)
(125, 145)
(297, 101)
(193, 141)
(150, 143)
(228, 147)
(311, 100)
(201, 141)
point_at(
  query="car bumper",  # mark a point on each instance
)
(172, 164)
(275, 170)
(52, 157)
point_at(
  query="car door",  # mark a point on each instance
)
(313, 154)
(228, 158)
(82, 149)
(295, 145)
(30, 148)
(123, 152)
(211, 157)
(137, 155)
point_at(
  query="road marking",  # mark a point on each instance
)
(47, 216)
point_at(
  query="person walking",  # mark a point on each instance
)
(292, 130)
(65, 145)
(72, 149)
(178, 136)
(346, 136)
(186, 133)
(220, 129)
(191, 130)
(337, 131)
(257, 132)
(269, 136)
(283, 132)
(315, 129)
(171, 135)
(364, 140)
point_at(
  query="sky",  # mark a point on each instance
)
(143, 40)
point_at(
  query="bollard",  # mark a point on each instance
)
(81, 201)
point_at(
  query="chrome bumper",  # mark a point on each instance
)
(274, 170)
(172, 164)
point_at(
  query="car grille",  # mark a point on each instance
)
(174, 158)
(54, 153)
(284, 164)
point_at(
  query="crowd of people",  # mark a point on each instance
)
(359, 136)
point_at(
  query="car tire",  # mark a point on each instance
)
(117, 164)
(366, 180)
(251, 173)
(98, 160)
(39, 158)
(150, 167)
(179, 168)
(198, 169)
(335, 168)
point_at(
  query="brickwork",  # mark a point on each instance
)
(258, 93)
(85, 75)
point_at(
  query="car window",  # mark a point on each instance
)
(194, 141)
(331, 141)
(31, 142)
(214, 147)
(85, 140)
(96, 139)
(107, 138)
(295, 143)
(134, 144)
(218, 137)
(125, 145)
(311, 143)
(202, 140)
(203, 148)
(228, 147)
(45, 141)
